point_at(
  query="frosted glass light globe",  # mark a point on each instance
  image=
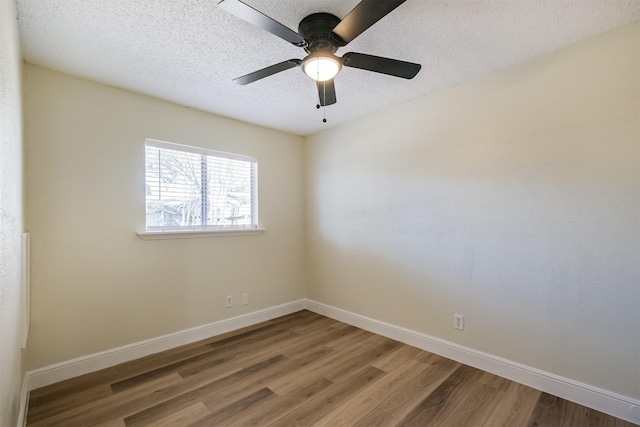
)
(321, 67)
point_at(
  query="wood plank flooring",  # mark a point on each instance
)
(300, 370)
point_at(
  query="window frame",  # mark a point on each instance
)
(189, 231)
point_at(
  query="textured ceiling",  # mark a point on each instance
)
(188, 51)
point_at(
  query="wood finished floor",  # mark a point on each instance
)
(300, 370)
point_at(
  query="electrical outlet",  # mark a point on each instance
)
(458, 321)
(245, 299)
(229, 301)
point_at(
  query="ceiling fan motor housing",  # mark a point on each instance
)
(321, 35)
(317, 31)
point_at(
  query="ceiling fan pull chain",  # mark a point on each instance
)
(324, 102)
(324, 107)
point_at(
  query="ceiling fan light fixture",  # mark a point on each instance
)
(321, 66)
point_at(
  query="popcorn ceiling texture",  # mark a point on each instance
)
(188, 51)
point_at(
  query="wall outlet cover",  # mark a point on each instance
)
(458, 321)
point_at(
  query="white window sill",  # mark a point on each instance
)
(190, 234)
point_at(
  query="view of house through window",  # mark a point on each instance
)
(190, 188)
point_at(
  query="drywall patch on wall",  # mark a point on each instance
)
(513, 200)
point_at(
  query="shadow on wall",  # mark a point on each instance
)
(529, 264)
(512, 199)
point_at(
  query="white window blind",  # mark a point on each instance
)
(190, 188)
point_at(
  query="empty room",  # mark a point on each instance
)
(319, 213)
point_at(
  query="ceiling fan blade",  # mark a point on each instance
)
(392, 67)
(327, 92)
(364, 15)
(266, 72)
(252, 16)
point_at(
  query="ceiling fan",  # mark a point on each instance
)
(321, 35)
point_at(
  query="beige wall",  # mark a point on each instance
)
(11, 217)
(513, 200)
(95, 284)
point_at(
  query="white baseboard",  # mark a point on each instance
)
(105, 359)
(24, 401)
(605, 401)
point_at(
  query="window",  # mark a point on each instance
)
(195, 189)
